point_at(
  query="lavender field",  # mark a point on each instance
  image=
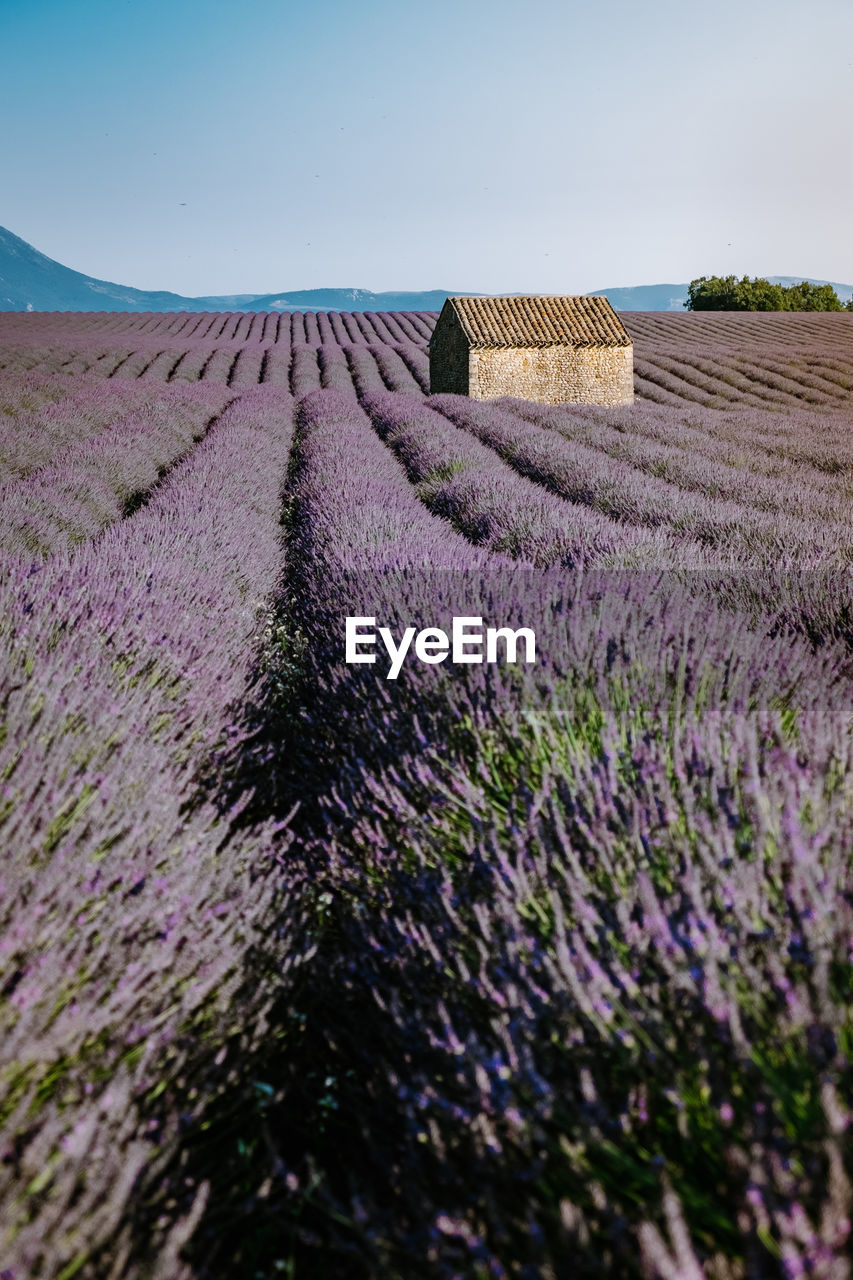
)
(528, 971)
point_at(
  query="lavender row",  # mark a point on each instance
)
(745, 472)
(334, 369)
(100, 479)
(804, 383)
(767, 443)
(786, 381)
(718, 378)
(794, 336)
(417, 361)
(365, 372)
(738, 535)
(749, 375)
(493, 506)
(758, 381)
(690, 386)
(304, 371)
(295, 368)
(363, 512)
(396, 371)
(132, 893)
(256, 330)
(40, 416)
(711, 373)
(794, 333)
(25, 357)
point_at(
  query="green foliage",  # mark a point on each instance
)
(727, 293)
(812, 297)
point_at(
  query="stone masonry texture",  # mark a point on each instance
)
(554, 350)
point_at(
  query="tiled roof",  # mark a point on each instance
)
(539, 322)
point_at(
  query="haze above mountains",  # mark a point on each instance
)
(30, 281)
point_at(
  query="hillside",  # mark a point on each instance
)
(30, 281)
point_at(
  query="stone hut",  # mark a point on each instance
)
(551, 349)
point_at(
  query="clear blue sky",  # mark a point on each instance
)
(207, 146)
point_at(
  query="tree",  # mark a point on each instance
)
(712, 293)
(727, 293)
(761, 295)
(812, 297)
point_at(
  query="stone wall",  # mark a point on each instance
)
(552, 375)
(448, 357)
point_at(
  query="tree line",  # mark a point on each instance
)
(727, 293)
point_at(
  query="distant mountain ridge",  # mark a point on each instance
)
(30, 281)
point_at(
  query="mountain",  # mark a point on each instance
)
(349, 300)
(646, 297)
(30, 281)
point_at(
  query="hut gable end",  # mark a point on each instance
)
(449, 347)
(554, 349)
